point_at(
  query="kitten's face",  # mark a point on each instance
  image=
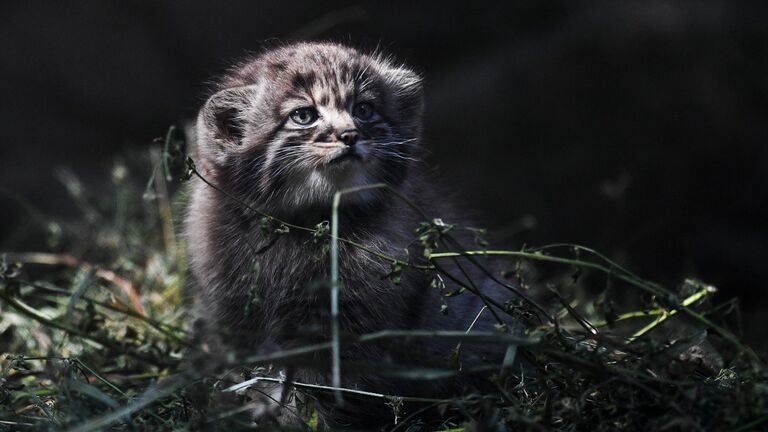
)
(299, 123)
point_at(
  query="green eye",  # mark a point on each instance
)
(304, 116)
(363, 111)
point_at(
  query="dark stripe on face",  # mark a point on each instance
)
(324, 135)
(338, 100)
(297, 138)
(304, 81)
(297, 94)
(344, 72)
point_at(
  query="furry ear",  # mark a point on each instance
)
(406, 87)
(402, 81)
(223, 117)
(222, 123)
(405, 82)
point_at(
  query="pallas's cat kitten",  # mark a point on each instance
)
(282, 133)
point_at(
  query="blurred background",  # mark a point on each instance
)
(638, 128)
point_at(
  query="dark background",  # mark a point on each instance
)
(638, 128)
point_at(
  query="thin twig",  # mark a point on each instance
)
(335, 389)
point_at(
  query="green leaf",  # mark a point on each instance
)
(94, 393)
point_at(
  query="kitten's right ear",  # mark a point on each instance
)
(223, 119)
(223, 123)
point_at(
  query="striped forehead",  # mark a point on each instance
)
(331, 85)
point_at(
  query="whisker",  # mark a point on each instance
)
(395, 155)
(388, 143)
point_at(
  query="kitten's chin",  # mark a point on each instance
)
(319, 186)
(344, 174)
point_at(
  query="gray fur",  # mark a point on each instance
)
(247, 147)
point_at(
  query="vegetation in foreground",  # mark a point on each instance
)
(96, 333)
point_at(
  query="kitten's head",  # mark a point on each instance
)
(298, 123)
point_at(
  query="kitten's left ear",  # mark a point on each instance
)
(407, 87)
(404, 82)
(405, 79)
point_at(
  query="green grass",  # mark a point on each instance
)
(96, 334)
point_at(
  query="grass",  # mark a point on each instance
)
(96, 333)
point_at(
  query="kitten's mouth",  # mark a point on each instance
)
(346, 155)
(339, 154)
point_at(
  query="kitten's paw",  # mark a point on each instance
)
(277, 406)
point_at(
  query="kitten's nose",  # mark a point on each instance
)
(349, 137)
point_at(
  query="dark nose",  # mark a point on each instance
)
(349, 137)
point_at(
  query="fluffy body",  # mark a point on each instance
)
(264, 291)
